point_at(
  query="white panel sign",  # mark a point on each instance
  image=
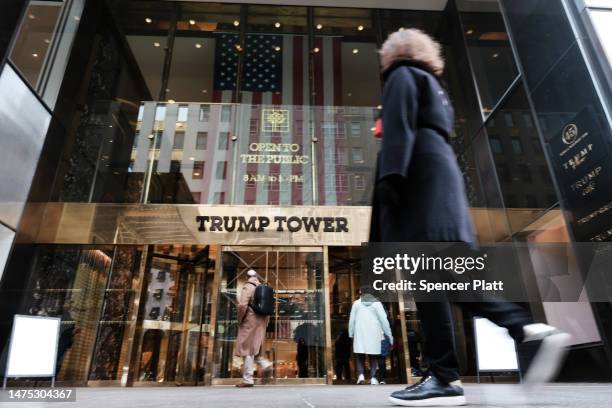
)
(495, 349)
(33, 348)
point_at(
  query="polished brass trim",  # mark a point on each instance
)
(212, 326)
(133, 317)
(140, 224)
(327, 305)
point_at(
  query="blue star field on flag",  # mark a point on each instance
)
(263, 63)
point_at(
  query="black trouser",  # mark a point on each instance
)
(361, 364)
(382, 368)
(439, 346)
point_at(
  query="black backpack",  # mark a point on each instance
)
(263, 300)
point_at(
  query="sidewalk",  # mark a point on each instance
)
(484, 395)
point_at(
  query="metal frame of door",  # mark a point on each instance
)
(326, 317)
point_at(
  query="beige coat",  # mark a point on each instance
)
(251, 326)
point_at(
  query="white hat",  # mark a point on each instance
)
(251, 272)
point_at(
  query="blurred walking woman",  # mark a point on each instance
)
(420, 197)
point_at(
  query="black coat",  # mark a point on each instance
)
(417, 120)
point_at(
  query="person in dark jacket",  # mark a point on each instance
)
(420, 196)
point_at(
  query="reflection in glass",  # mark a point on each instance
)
(69, 282)
(34, 38)
(523, 173)
(493, 64)
(173, 327)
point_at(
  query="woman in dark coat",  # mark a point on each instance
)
(420, 197)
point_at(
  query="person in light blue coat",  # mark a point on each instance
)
(367, 326)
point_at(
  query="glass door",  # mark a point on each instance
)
(173, 327)
(295, 336)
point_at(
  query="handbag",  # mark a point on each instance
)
(385, 346)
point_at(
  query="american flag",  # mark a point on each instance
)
(275, 76)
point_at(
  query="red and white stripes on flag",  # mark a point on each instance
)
(325, 121)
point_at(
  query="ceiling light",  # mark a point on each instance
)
(148, 20)
(171, 101)
(156, 44)
(360, 28)
(204, 91)
(192, 22)
(355, 51)
(495, 55)
(198, 45)
(31, 16)
(379, 107)
(35, 55)
(47, 41)
(236, 23)
(196, 174)
(373, 129)
(151, 136)
(316, 49)
(238, 47)
(77, 18)
(192, 158)
(277, 48)
(319, 26)
(277, 24)
(470, 31)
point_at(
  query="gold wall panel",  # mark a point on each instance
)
(83, 223)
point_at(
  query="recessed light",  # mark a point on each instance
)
(156, 44)
(316, 49)
(238, 47)
(277, 24)
(355, 51)
(77, 18)
(319, 26)
(47, 41)
(171, 101)
(192, 158)
(192, 22)
(379, 107)
(148, 20)
(236, 23)
(204, 91)
(277, 48)
(495, 55)
(468, 32)
(198, 45)
(196, 174)
(167, 89)
(360, 27)
(349, 94)
(35, 55)
(31, 16)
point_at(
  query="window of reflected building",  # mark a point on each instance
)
(491, 56)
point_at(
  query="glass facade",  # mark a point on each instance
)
(160, 111)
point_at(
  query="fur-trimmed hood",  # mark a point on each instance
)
(411, 46)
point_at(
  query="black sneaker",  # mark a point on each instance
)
(430, 392)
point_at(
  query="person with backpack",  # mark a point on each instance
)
(255, 305)
(368, 325)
